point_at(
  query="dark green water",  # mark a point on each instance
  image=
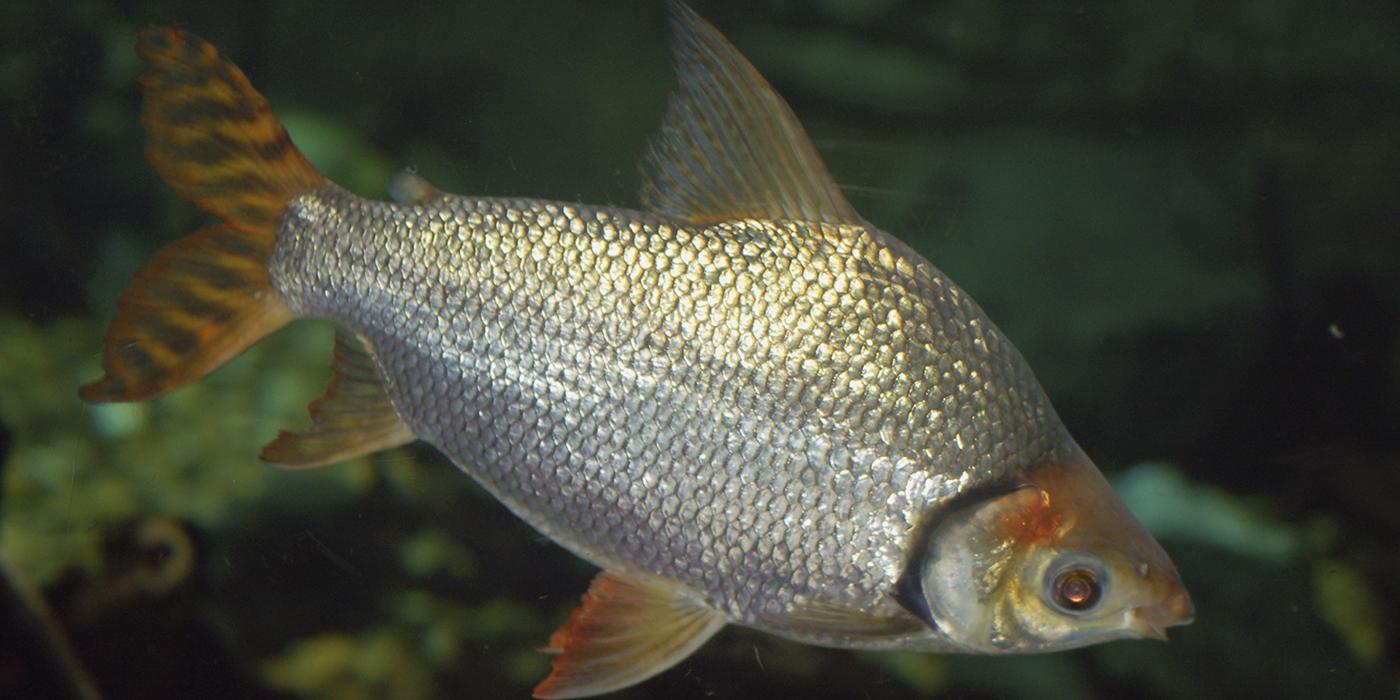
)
(1186, 215)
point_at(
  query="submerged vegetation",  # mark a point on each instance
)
(1183, 215)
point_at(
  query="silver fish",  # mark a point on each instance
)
(743, 401)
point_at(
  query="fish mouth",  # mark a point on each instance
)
(1153, 620)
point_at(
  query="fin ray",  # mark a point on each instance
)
(729, 147)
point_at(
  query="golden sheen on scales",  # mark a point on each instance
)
(742, 401)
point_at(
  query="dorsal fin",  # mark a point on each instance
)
(629, 629)
(353, 418)
(729, 147)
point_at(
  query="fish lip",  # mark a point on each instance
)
(1174, 611)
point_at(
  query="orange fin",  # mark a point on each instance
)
(213, 137)
(204, 299)
(199, 302)
(628, 630)
(354, 417)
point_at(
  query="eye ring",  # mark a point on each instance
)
(1077, 590)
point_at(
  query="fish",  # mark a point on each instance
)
(742, 401)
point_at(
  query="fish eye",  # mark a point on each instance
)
(1075, 586)
(1077, 590)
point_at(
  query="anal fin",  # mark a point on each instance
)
(353, 418)
(628, 630)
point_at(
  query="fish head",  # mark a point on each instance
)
(1051, 561)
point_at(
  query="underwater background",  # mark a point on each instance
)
(1186, 215)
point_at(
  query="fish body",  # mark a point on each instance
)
(743, 401)
(762, 410)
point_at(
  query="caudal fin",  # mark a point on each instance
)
(203, 299)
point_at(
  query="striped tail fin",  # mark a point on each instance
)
(203, 299)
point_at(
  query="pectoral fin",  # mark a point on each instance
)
(849, 623)
(354, 417)
(628, 630)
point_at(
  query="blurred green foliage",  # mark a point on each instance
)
(1183, 213)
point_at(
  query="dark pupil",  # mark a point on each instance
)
(1076, 590)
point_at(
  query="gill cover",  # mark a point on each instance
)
(963, 545)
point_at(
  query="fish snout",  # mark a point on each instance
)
(1173, 611)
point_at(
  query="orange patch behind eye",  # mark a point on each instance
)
(1037, 522)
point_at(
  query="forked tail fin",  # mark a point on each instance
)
(205, 298)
